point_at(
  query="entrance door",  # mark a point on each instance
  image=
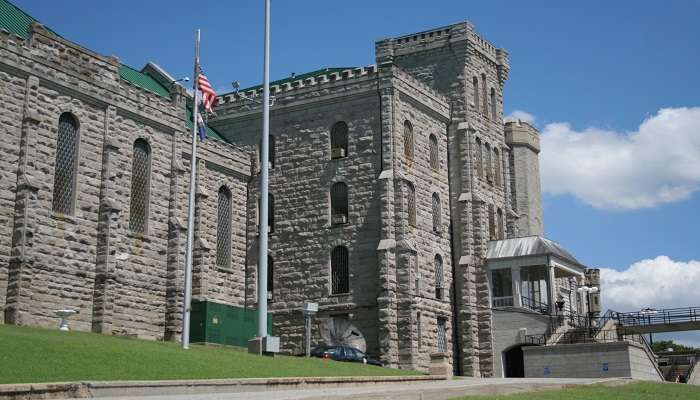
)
(514, 363)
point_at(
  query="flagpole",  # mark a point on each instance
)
(190, 209)
(264, 160)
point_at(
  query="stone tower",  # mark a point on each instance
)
(524, 141)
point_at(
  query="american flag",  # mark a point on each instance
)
(208, 94)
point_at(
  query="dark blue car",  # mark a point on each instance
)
(344, 353)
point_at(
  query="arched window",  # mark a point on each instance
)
(223, 229)
(479, 158)
(271, 155)
(436, 213)
(140, 186)
(340, 276)
(411, 203)
(493, 104)
(270, 277)
(500, 224)
(497, 166)
(434, 154)
(408, 140)
(339, 203)
(270, 212)
(66, 164)
(339, 140)
(439, 278)
(475, 86)
(485, 102)
(488, 165)
(492, 224)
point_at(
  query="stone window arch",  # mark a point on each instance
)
(339, 203)
(439, 277)
(140, 186)
(411, 203)
(340, 271)
(437, 213)
(408, 140)
(223, 228)
(66, 164)
(434, 152)
(339, 140)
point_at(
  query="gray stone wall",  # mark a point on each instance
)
(509, 328)
(527, 202)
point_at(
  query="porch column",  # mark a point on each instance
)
(551, 290)
(515, 277)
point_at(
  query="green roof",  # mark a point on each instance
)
(211, 133)
(298, 77)
(16, 21)
(142, 80)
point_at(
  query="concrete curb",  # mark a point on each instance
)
(165, 387)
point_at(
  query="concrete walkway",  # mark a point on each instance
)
(393, 391)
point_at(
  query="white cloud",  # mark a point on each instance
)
(522, 116)
(658, 163)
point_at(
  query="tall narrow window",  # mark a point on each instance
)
(270, 277)
(484, 99)
(223, 229)
(439, 278)
(339, 140)
(488, 167)
(475, 86)
(340, 277)
(271, 152)
(66, 164)
(436, 213)
(411, 203)
(497, 166)
(408, 140)
(434, 153)
(479, 158)
(493, 104)
(419, 330)
(499, 227)
(270, 213)
(140, 184)
(339, 203)
(492, 224)
(441, 335)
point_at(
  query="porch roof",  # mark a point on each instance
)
(528, 246)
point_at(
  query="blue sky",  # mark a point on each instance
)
(592, 70)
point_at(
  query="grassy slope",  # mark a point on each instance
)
(633, 391)
(40, 355)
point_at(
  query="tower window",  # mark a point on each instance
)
(66, 164)
(493, 104)
(223, 229)
(434, 153)
(442, 335)
(499, 217)
(492, 224)
(411, 203)
(488, 167)
(339, 203)
(479, 158)
(339, 140)
(436, 213)
(485, 104)
(140, 185)
(439, 278)
(475, 86)
(340, 279)
(408, 140)
(497, 166)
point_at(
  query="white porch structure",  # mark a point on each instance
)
(523, 272)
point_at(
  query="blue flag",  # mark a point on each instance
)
(201, 128)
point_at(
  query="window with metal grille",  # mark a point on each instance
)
(441, 335)
(487, 163)
(270, 212)
(408, 140)
(66, 164)
(500, 223)
(140, 186)
(479, 158)
(475, 86)
(485, 104)
(492, 224)
(434, 154)
(340, 276)
(493, 104)
(223, 229)
(436, 213)
(411, 203)
(339, 140)
(497, 166)
(439, 278)
(270, 278)
(339, 203)
(271, 152)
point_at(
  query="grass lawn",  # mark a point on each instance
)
(40, 355)
(632, 391)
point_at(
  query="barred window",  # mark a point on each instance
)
(339, 140)
(66, 164)
(488, 165)
(436, 213)
(475, 86)
(270, 277)
(434, 153)
(439, 278)
(271, 152)
(500, 223)
(408, 140)
(340, 277)
(484, 99)
(339, 203)
(140, 186)
(442, 335)
(497, 166)
(223, 229)
(411, 203)
(493, 104)
(479, 158)
(492, 224)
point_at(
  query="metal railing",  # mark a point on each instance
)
(535, 305)
(506, 301)
(584, 335)
(658, 317)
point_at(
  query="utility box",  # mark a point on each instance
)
(223, 324)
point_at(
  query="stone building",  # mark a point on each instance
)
(400, 201)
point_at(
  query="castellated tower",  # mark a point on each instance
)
(524, 161)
